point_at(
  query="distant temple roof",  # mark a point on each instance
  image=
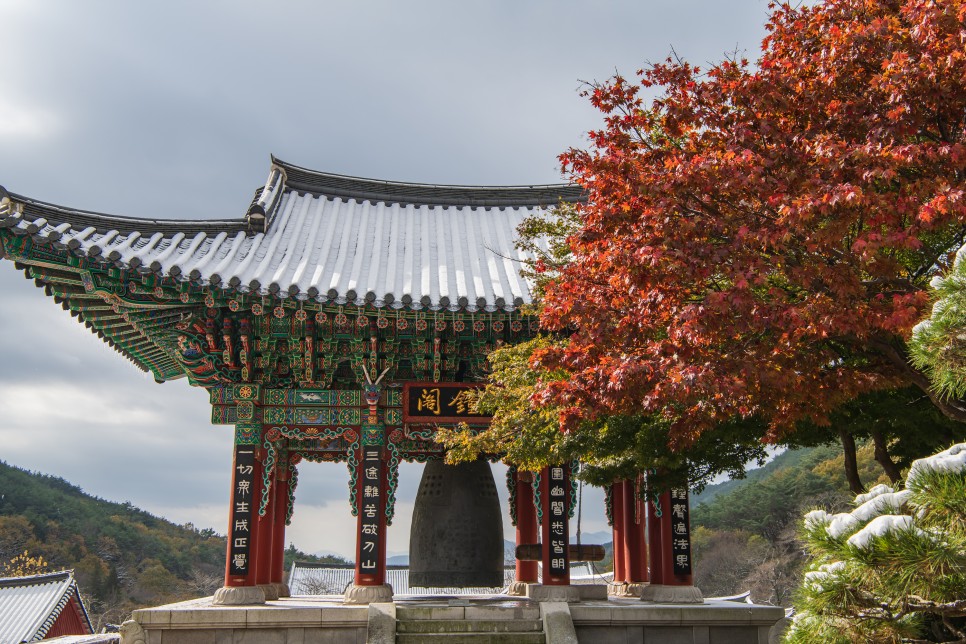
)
(31, 606)
(325, 237)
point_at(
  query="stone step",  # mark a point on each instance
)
(457, 613)
(470, 638)
(469, 626)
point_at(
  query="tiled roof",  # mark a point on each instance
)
(327, 237)
(29, 606)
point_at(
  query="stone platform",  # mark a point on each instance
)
(325, 620)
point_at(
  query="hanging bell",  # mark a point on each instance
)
(456, 538)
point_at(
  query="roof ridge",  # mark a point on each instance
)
(291, 166)
(30, 201)
(34, 209)
(28, 580)
(310, 181)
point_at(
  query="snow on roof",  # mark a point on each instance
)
(332, 238)
(29, 606)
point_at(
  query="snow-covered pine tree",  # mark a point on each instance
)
(894, 568)
(938, 344)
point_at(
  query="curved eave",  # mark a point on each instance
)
(122, 336)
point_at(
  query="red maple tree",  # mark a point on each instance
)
(758, 238)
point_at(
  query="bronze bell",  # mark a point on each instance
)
(456, 538)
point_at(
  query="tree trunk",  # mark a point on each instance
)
(882, 456)
(851, 464)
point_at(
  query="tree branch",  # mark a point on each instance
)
(952, 409)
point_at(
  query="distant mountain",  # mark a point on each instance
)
(592, 538)
(787, 459)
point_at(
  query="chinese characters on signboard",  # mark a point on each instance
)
(558, 521)
(680, 532)
(369, 539)
(242, 525)
(441, 402)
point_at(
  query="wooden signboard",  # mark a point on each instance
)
(242, 525)
(371, 507)
(680, 532)
(559, 564)
(442, 402)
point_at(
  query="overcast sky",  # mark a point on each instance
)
(171, 109)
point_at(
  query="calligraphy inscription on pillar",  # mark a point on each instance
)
(558, 516)
(370, 508)
(680, 532)
(241, 499)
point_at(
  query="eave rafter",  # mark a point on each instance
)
(214, 336)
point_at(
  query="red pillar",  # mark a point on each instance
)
(635, 548)
(527, 528)
(263, 538)
(555, 499)
(655, 513)
(670, 540)
(371, 489)
(280, 506)
(617, 513)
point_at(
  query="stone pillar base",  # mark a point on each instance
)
(626, 589)
(634, 589)
(622, 589)
(238, 596)
(271, 592)
(282, 590)
(671, 594)
(518, 588)
(368, 594)
(543, 593)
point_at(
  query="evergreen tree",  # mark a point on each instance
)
(894, 568)
(938, 344)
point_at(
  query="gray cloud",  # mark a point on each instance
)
(171, 110)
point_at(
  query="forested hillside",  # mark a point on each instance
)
(123, 558)
(745, 532)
